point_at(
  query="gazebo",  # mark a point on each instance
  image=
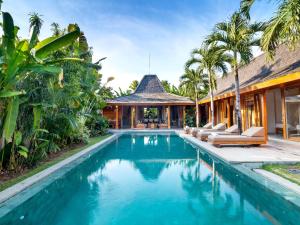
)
(150, 106)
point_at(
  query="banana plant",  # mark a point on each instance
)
(18, 60)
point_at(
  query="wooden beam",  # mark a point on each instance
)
(283, 110)
(169, 117)
(265, 115)
(183, 116)
(117, 117)
(149, 103)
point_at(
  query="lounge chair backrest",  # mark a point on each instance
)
(254, 132)
(208, 126)
(232, 129)
(220, 126)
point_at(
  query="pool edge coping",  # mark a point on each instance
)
(28, 182)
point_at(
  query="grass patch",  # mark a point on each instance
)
(283, 171)
(50, 162)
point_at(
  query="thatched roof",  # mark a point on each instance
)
(151, 92)
(285, 62)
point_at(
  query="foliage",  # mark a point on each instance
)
(283, 27)
(51, 92)
(192, 80)
(134, 84)
(190, 119)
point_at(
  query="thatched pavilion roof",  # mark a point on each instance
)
(150, 92)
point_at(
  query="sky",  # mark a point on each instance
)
(128, 31)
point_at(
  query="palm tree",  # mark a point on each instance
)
(192, 79)
(133, 85)
(210, 59)
(166, 85)
(283, 27)
(35, 25)
(236, 37)
(55, 28)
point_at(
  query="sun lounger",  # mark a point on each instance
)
(252, 136)
(203, 135)
(218, 127)
(195, 130)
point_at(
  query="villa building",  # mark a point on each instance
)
(150, 106)
(270, 95)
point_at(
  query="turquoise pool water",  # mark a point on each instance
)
(149, 179)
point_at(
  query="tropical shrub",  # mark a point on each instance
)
(51, 94)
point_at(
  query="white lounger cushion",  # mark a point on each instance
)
(208, 126)
(254, 132)
(205, 133)
(232, 129)
(220, 126)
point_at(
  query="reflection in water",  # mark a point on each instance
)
(206, 200)
(139, 179)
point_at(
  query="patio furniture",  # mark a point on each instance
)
(152, 125)
(252, 136)
(279, 128)
(141, 126)
(195, 131)
(220, 130)
(163, 126)
(187, 129)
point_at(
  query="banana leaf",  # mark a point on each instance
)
(8, 35)
(43, 50)
(7, 94)
(11, 118)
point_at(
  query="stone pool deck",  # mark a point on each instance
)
(275, 151)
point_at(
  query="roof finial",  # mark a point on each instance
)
(149, 62)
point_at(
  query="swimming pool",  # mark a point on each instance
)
(148, 179)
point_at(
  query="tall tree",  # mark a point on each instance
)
(35, 25)
(210, 60)
(236, 37)
(283, 27)
(192, 79)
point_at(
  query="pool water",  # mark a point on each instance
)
(151, 179)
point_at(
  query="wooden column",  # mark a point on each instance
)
(132, 116)
(265, 115)
(117, 117)
(209, 114)
(169, 117)
(228, 112)
(283, 111)
(183, 116)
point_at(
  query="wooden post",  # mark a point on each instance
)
(117, 117)
(228, 113)
(183, 116)
(169, 117)
(283, 110)
(265, 116)
(209, 114)
(132, 116)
